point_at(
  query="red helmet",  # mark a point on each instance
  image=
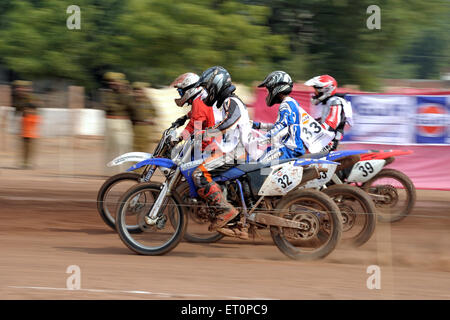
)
(325, 86)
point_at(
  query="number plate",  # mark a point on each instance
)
(282, 179)
(365, 170)
(313, 135)
(324, 178)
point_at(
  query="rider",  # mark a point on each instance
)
(201, 116)
(235, 128)
(287, 126)
(336, 112)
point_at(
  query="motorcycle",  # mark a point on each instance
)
(393, 192)
(304, 224)
(109, 192)
(356, 207)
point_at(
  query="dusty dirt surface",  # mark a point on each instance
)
(50, 222)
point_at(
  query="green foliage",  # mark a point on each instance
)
(333, 37)
(156, 40)
(149, 40)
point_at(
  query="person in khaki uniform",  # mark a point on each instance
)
(117, 103)
(25, 105)
(143, 119)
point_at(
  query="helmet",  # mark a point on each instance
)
(277, 82)
(185, 85)
(325, 86)
(217, 82)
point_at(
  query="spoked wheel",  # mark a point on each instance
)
(155, 239)
(110, 193)
(393, 193)
(198, 221)
(358, 213)
(321, 220)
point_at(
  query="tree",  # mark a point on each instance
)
(152, 40)
(332, 37)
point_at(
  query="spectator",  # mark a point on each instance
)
(143, 116)
(25, 105)
(117, 104)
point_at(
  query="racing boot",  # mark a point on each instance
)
(236, 232)
(225, 212)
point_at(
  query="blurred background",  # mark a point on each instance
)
(154, 41)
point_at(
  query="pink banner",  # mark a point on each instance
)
(428, 166)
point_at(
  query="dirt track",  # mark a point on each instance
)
(49, 223)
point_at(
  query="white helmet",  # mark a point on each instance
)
(185, 85)
(324, 86)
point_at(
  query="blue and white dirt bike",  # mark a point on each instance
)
(114, 187)
(304, 224)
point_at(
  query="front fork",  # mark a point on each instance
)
(152, 217)
(145, 177)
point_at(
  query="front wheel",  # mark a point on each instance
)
(315, 210)
(393, 193)
(358, 213)
(160, 237)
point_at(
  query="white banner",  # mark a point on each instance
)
(381, 119)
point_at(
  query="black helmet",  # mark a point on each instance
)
(217, 82)
(277, 82)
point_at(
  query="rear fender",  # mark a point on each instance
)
(384, 154)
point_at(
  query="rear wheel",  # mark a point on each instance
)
(393, 193)
(109, 194)
(159, 238)
(358, 213)
(319, 213)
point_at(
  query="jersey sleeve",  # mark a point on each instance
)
(333, 118)
(282, 121)
(232, 115)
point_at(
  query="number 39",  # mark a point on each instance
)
(366, 169)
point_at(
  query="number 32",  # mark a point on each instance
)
(284, 181)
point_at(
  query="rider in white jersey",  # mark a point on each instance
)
(336, 111)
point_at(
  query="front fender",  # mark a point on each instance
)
(129, 157)
(160, 162)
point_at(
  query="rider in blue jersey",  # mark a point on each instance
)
(286, 131)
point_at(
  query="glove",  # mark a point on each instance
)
(327, 148)
(180, 121)
(255, 125)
